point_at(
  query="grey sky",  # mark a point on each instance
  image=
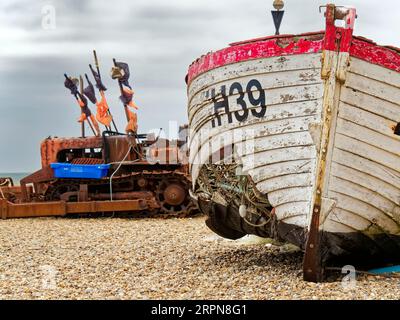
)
(159, 39)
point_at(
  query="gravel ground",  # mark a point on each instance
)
(156, 259)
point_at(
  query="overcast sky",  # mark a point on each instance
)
(159, 39)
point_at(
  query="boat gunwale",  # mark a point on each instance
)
(365, 49)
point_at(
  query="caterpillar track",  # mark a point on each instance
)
(167, 188)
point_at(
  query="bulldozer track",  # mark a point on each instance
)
(155, 180)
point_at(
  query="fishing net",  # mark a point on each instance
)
(226, 184)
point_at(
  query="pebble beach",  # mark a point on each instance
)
(115, 258)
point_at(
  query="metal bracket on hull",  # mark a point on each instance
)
(335, 55)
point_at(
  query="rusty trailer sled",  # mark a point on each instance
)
(296, 137)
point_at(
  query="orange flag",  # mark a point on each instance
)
(102, 114)
(132, 123)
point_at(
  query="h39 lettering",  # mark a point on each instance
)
(256, 100)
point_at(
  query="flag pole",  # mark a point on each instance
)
(87, 118)
(96, 62)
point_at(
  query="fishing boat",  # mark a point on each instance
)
(296, 137)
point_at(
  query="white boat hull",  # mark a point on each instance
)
(317, 139)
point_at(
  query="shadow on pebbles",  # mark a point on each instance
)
(106, 258)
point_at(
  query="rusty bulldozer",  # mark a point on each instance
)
(104, 174)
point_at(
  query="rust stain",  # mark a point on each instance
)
(307, 77)
(282, 59)
(287, 97)
(308, 111)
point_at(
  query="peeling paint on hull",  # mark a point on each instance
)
(312, 129)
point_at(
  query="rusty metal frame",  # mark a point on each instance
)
(42, 175)
(52, 146)
(60, 208)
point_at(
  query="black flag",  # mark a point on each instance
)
(125, 76)
(71, 84)
(277, 16)
(89, 91)
(97, 78)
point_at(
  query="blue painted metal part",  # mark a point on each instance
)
(393, 269)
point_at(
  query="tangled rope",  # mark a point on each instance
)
(227, 182)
